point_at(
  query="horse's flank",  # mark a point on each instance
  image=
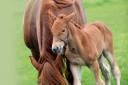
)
(92, 43)
(91, 40)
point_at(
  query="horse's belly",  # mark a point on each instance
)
(75, 58)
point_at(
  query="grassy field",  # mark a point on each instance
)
(113, 13)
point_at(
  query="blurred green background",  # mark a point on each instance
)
(17, 67)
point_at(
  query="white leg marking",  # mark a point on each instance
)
(114, 67)
(105, 70)
(76, 72)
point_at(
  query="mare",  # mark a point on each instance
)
(51, 68)
(86, 45)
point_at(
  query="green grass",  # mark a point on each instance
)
(113, 13)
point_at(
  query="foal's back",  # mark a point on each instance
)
(99, 34)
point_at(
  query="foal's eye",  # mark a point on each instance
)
(63, 30)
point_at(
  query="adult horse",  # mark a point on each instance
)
(38, 38)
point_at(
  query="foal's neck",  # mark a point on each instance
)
(75, 37)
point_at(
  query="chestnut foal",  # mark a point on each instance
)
(85, 46)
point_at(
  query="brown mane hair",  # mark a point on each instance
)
(38, 38)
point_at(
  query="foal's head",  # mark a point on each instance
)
(60, 32)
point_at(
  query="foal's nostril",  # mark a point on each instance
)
(57, 48)
(54, 50)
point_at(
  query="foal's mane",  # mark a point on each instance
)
(76, 24)
(61, 21)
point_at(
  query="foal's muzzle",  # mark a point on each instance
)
(58, 47)
(56, 50)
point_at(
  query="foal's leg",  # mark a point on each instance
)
(76, 72)
(96, 71)
(114, 66)
(105, 70)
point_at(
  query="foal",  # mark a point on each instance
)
(85, 46)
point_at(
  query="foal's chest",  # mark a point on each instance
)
(73, 56)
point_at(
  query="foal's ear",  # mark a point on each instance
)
(69, 17)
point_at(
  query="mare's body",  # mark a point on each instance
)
(38, 37)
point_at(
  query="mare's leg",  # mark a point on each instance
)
(96, 71)
(105, 70)
(114, 67)
(76, 72)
